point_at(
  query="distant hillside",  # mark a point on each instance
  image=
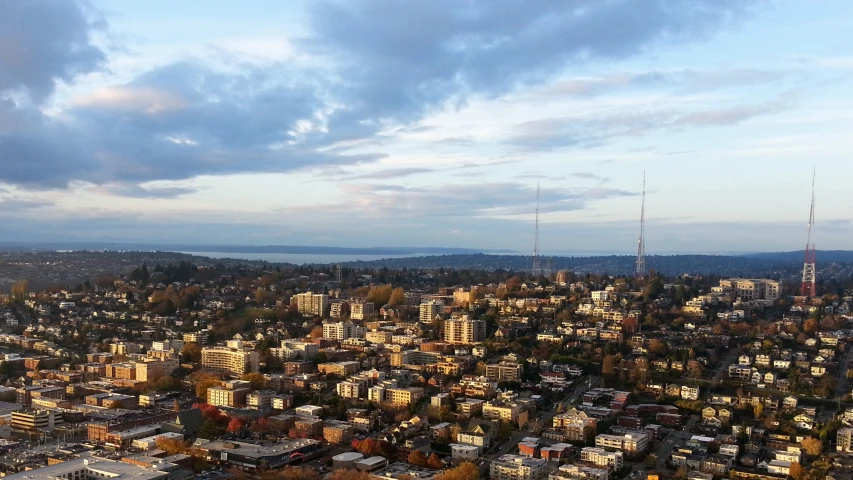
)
(772, 265)
(837, 256)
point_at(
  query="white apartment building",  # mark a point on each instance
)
(749, 289)
(311, 303)
(517, 467)
(602, 457)
(628, 443)
(293, 350)
(844, 440)
(464, 331)
(429, 310)
(342, 330)
(362, 311)
(230, 361)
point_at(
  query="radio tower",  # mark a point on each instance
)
(809, 286)
(536, 267)
(641, 243)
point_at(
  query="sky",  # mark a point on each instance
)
(428, 123)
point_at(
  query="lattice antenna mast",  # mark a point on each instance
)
(536, 266)
(809, 285)
(641, 243)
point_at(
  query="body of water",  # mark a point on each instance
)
(295, 258)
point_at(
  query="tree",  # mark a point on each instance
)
(317, 332)
(191, 353)
(812, 446)
(657, 347)
(210, 430)
(398, 297)
(298, 473)
(418, 458)
(810, 326)
(171, 446)
(202, 383)
(465, 471)
(256, 380)
(681, 472)
(651, 461)
(797, 471)
(235, 425)
(434, 462)
(350, 474)
(608, 365)
(19, 291)
(758, 409)
(630, 325)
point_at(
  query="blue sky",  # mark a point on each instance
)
(362, 123)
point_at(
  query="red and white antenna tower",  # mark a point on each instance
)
(809, 285)
(537, 269)
(641, 243)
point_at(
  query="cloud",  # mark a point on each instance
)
(391, 173)
(601, 126)
(43, 42)
(482, 200)
(378, 68)
(590, 176)
(147, 100)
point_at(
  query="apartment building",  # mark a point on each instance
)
(574, 425)
(403, 396)
(342, 330)
(295, 350)
(260, 399)
(504, 372)
(516, 467)
(749, 289)
(505, 411)
(844, 440)
(340, 369)
(231, 394)
(629, 443)
(230, 361)
(196, 337)
(152, 369)
(362, 310)
(378, 337)
(464, 331)
(429, 310)
(579, 472)
(602, 457)
(311, 303)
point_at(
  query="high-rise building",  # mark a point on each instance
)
(844, 440)
(341, 330)
(429, 310)
(464, 331)
(311, 303)
(230, 361)
(362, 311)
